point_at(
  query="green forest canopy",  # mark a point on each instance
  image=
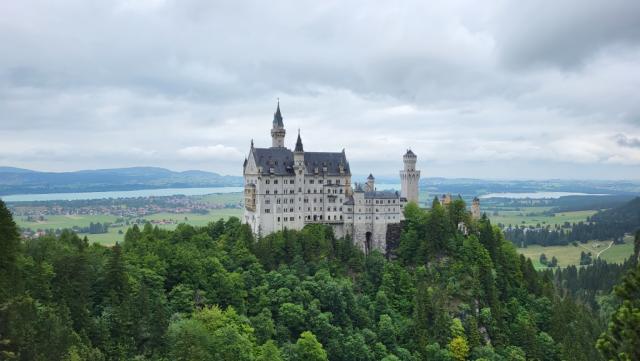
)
(216, 293)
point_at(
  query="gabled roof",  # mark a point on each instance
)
(281, 161)
(382, 195)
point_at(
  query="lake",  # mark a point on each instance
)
(536, 195)
(139, 193)
(119, 194)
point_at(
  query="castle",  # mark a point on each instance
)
(290, 189)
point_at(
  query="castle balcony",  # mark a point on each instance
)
(324, 221)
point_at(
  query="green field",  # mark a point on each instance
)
(570, 254)
(532, 216)
(64, 221)
(114, 235)
(566, 255)
(220, 198)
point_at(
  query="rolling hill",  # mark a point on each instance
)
(21, 181)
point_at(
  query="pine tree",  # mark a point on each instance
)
(116, 284)
(9, 247)
(621, 341)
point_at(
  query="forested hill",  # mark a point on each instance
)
(625, 217)
(18, 181)
(217, 293)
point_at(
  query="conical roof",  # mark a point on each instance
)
(277, 118)
(299, 147)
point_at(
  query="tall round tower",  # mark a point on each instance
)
(409, 177)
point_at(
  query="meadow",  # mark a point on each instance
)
(116, 234)
(566, 255)
(532, 216)
(570, 254)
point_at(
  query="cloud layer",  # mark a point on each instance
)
(497, 90)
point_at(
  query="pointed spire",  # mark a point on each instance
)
(370, 176)
(251, 143)
(299, 147)
(277, 117)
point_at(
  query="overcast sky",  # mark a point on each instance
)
(490, 89)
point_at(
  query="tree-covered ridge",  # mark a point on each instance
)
(621, 341)
(607, 224)
(216, 293)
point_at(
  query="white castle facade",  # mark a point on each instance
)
(290, 189)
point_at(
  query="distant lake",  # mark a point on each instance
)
(537, 195)
(119, 194)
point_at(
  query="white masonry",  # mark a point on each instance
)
(290, 189)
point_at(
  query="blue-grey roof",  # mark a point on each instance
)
(382, 195)
(281, 160)
(299, 147)
(277, 118)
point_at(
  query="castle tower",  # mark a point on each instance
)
(409, 177)
(277, 131)
(475, 208)
(370, 186)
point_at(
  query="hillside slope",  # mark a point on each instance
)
(17, 180)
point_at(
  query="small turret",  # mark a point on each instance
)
(299, 147)
(298, 156)
(475, 208)
(370, 186)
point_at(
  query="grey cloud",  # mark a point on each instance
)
(564, 33)
(625, 141)
(182, 84)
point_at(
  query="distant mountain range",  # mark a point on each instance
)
(23, 181)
